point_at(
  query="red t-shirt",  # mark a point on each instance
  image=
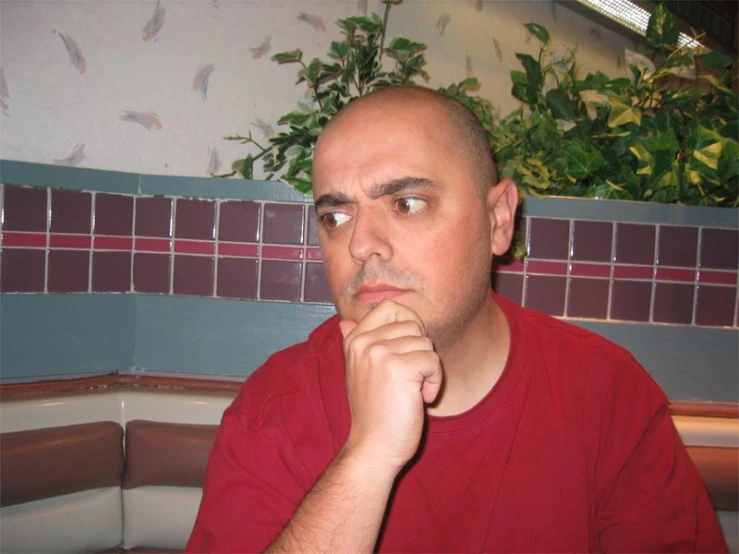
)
(572, 450)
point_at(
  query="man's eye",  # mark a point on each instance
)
(409, 205)
(332, 220)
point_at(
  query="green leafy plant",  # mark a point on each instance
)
(356, 65)
(654, 136)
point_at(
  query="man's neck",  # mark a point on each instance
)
(474, 363)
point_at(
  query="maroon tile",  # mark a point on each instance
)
(509, 285)
(673, 303)
(71, 211)
(25, 209)
(549, 238)
(312, 227)
(69, 270)
(151, 273)
(635, 243)
(631, 300)
(195, 219)
(237, 277)
(283, 224)
(113, 214)
(316, 284)
(153, 217)
(588, 298)
(719, 248)
(239, 221)
(591, 241)
(545, 294)
(677, 246)
(280, 280)
(715, 305)
(193, 275)
(111, 271)
(22, 270)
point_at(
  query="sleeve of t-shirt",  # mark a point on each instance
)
(250, 491)
(649, 496)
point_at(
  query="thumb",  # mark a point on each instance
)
(347, 326)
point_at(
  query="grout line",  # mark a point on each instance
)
(260, 237)
(216, 224)
(48, 240)
(304, 268)
(695, 275)
(609, 301)
(570, 246)
(133, 240)
(92, 231)
(524, 274)
(172, 225)
(657, 229)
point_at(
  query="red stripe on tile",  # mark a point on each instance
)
(633, 272)
(515, 266)
(673, 274)
(717, 277)
(152, 245)
(112, 243)
(546, 268)
(24, 239)
(238, 249)
(282, 253)
(195, 247)
(314, 254)
(70, 241)
(590, 270)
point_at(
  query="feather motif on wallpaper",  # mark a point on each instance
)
(4, 93)
(214, 161)
(553, 9)
(264, 47)
(314, 21)
(148, 120)
(468, 66)
(74, 158)
(201, 80)
(264, 127)
(155, 23)
(73, 50)
(442, 23)
(498, 50)
(478, 6)
(362, 6)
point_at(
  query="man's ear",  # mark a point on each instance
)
(502, 201)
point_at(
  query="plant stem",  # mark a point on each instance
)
(383, 30)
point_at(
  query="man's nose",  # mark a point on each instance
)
(369, 238)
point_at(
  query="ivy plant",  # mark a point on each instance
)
(656, 135)
(363, 61)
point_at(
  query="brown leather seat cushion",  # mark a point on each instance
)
(719, 469)
(47, 462)
(173, 454)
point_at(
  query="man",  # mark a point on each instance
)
(431, 415)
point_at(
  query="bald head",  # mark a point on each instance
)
(461, 121)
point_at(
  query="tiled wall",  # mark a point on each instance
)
(65, 241)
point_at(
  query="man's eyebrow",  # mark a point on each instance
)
(331, 200)
(400, 185)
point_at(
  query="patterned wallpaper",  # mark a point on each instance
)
(152, 86)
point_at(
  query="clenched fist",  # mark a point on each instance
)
(391, 371)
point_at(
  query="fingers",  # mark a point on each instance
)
(386, 312)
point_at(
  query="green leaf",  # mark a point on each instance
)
(538, 31)
(339, 50)
(406, 45)
(533, 71)
(716, 61)
(662, 29)
(302, 185)
(560, 104)
(288, 57)
(581, 163)
(246, 167)
(371, 25)
(621, 114)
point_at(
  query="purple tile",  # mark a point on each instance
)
(588, 298)
(113, 214)
(22, 270)
(635, 243)
(312, 227)
(549, 238)
(591, 241)
(111, 271)
(69, 270)
(715, 305)
(237, 277)
(316, 284)
(673, 303)
(509, 285)
(71, 211)
(151, 273)
(678, 246)
(280, 280)
(283, 224)
(193, 275)
(239, 221)
(154, 217)
(545, 294)
(631, 300)
(25, 209)
(195, 219)
(719, 248)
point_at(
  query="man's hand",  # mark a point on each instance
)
(391, 371)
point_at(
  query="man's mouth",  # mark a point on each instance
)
(377, 292)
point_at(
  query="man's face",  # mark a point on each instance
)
(400, 216)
